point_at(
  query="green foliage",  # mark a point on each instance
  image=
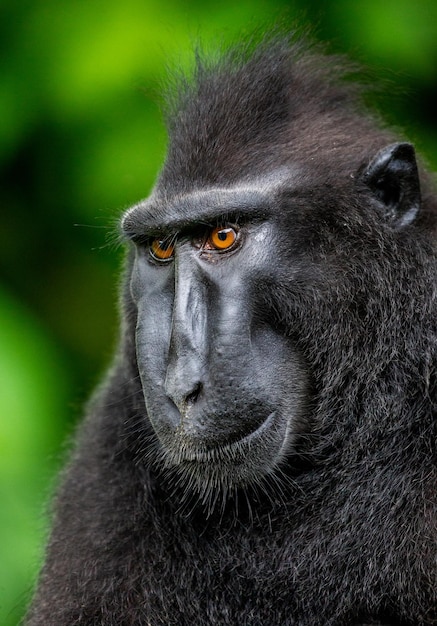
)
(81, 137)
(33, 392)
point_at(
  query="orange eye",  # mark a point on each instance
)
(222, 238)
(162, 249)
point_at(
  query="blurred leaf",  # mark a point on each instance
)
(33, 393)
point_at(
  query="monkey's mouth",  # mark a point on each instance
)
(193, 451)
(235, 463)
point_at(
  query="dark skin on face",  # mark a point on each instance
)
(215, 371)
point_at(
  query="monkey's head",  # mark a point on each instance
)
(274, 187)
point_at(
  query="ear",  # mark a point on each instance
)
(393, 178)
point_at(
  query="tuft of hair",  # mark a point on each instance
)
(254, 105)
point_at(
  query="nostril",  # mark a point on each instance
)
(183, 388)
(192, 397)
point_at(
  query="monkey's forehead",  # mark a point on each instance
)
(162, 212)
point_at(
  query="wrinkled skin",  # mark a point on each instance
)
(222, 386)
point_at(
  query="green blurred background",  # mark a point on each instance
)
(81, 138)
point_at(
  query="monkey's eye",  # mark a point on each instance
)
(162, 250)
(221, 238)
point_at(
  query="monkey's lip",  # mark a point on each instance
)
(258, 432)
(234, 451)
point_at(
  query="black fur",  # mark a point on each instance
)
(345, 531)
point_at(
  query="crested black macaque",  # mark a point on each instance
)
(263, 450)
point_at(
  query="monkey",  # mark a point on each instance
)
(262, 450)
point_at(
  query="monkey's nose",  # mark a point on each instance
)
(184, 390)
